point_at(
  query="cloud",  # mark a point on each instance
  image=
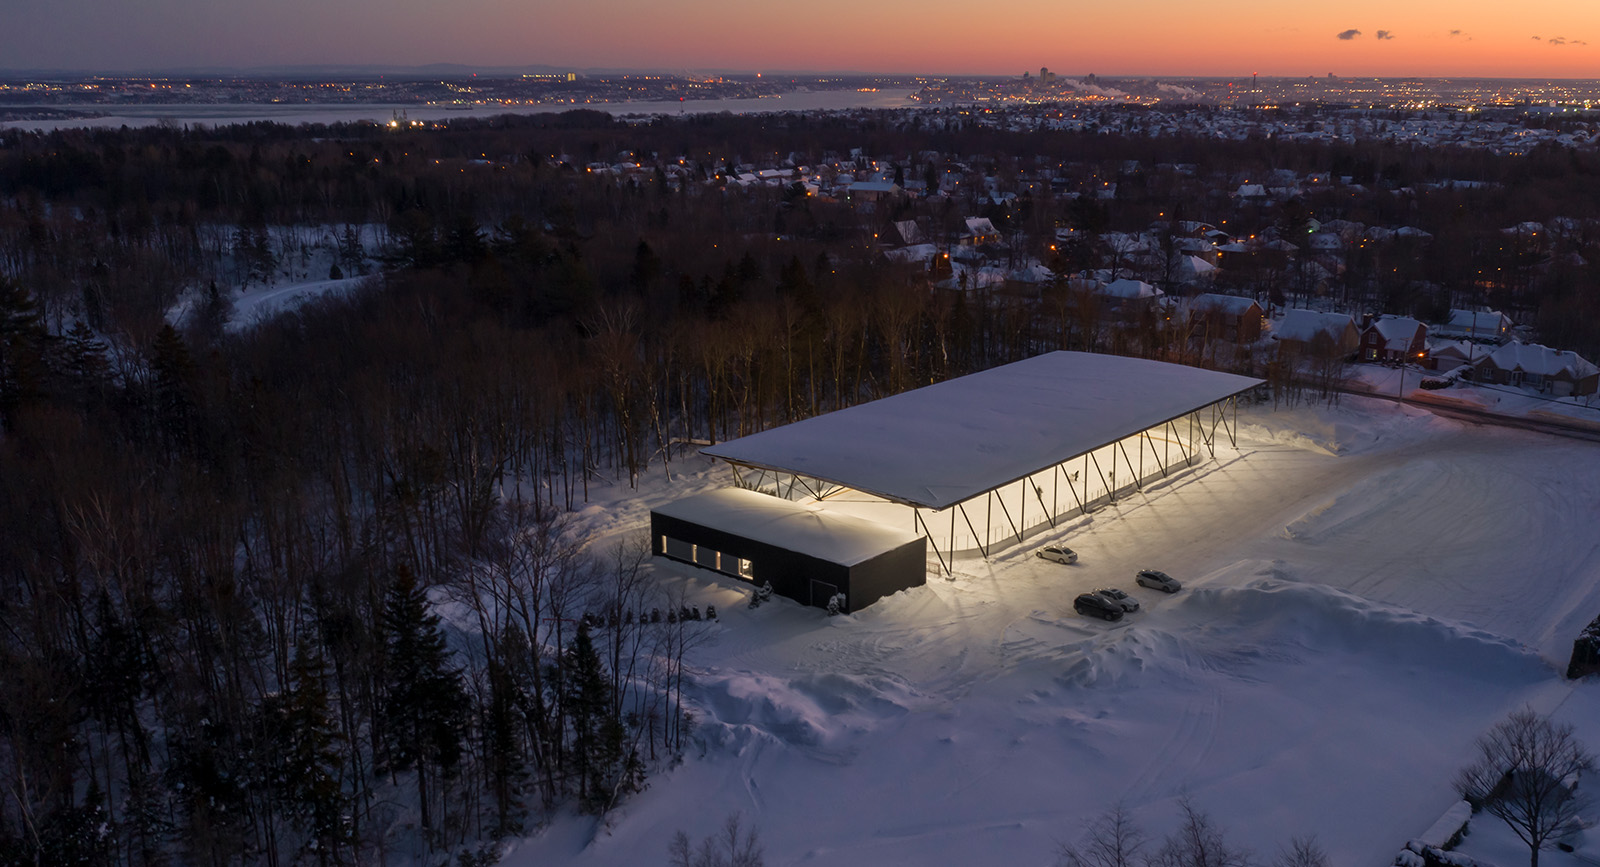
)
(1455, 33)
(1557, 40)
(1384, 34)
(1351, 34)
(1537, 39)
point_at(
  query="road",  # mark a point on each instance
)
(1573, 430)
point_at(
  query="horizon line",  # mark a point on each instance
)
(449, 68)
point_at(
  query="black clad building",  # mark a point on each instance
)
(808, 554)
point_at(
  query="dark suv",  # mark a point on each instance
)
(1095, 605)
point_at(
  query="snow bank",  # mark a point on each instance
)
(1357, 425)
(813, 710)
(1288, 621)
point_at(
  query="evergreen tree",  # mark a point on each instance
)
(173, 371)
(212, 779)
(74, 836)
(507, 768)
(304, 758)
(424, 705)
(597, 734)
(86, 362)
(646, 267)
(352, 254)
(464, 242)
(24, 348)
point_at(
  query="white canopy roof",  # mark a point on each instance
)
(788, 525)
(940, 445)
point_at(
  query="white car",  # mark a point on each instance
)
(1119, 597)
(1157, 580)
(1057, 554)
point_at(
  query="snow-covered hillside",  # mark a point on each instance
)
(1367, 588)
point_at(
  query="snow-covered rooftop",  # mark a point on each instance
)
(1398, 331)
(940, 445)
(1300, 324)
(1539, 359)
(1234, 304)
(1488, 323)
(791, 526)
(1129, 289)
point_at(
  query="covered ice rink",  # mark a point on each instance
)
(985, 461)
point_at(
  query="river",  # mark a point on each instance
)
(222, 114)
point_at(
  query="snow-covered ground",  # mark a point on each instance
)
(303, 259)
(1367, 589)
(261, 303)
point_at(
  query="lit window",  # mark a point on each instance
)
(744, 569)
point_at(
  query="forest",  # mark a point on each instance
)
(310, 591)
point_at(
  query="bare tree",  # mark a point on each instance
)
(1110, 840)
(1198, 842)
(1301, 852)
(1523, 775)
(733, 847)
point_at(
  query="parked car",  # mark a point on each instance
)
(1095, 605)
(1157, 580)
(1121, 598)
(1058, 554)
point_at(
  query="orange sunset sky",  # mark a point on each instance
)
(1551, 39)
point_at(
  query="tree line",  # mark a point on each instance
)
(310, 591)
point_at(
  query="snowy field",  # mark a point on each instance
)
(1367, 588)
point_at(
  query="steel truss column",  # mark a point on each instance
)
(1039, 494)
(1138, 477)
(1085, 479)
(1022, 509)
(951, 542)
(1160, 464)
(1179, 441)
(1140, 447)
(1075, 498)
(927, 533)
(988, 520)
(981, 546)
(808, 488)
(1111, 496)
(1007, 513)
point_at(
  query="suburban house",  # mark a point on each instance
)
(1128, 294)
(871, 191)
(1394, 339)
(1476, 325)
(1225, 317)
(1531, 365)
(979, 231)
(910, 233)
(1447, 355)
(1308, 332)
